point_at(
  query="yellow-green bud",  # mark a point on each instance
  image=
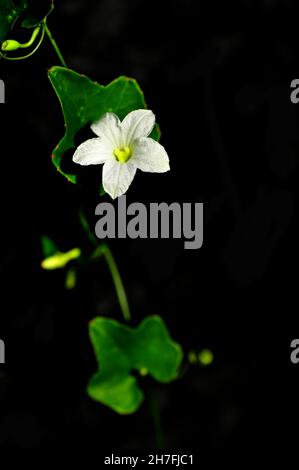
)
(10, 45)
(206, 357)
(60, 260)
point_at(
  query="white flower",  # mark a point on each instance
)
(123, 147)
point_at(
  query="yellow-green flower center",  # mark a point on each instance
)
(122, 155)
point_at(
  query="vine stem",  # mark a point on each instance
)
(118, 283)
(104, 250)
(55, 46)
(156, 415)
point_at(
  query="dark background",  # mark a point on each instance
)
(218, 79)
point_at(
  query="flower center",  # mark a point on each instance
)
(122, 155)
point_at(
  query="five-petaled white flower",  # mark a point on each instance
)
(123, 147)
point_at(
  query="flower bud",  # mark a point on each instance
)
(10, 45)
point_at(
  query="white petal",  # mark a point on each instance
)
(117, 177)
(92, 152)
(136, 124)
(108, 128)
(149, 155)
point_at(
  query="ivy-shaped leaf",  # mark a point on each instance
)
(120, 349)
(84, 101)
(29, 12)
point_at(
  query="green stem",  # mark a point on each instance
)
(118, 284)
(86, 227)
(156, 415)
(55, 46)
(32, 39)
(104, 250)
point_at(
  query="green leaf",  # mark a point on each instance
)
(120, 349)
(29, 12)
(84, 101)
(49, 248)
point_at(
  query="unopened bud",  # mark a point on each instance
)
(10, 45)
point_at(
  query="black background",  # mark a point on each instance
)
(218, 79)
